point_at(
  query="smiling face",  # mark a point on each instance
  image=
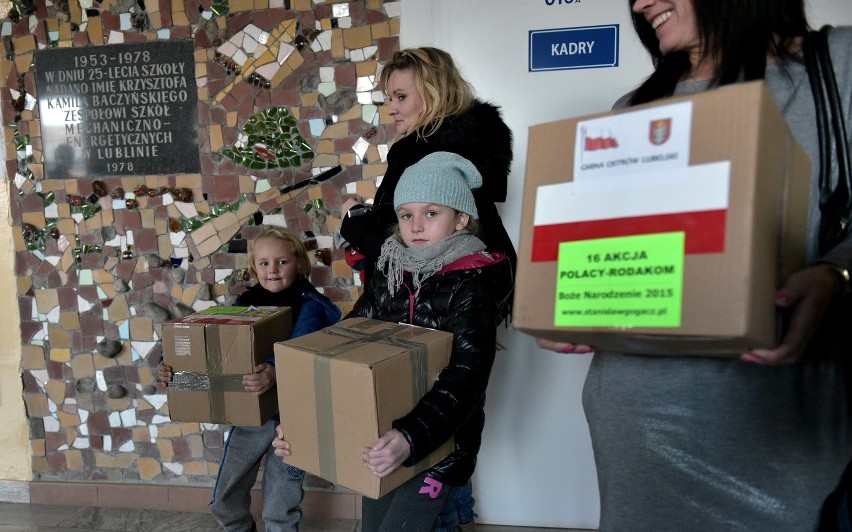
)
(275, 264)
(675, 25)
(424, 224)
(404, 101)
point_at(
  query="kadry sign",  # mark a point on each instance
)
(664, 228)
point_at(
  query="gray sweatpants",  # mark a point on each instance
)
(282, 484)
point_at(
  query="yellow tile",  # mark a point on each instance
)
(141, 328)
(56, 392)
(32, 357)
(348, 159)
(335, 131)
(67, 420)
(325, 146)
(189, 294)
(179, 19)
(339, 268)
(338, 51)
(39, 464)
(209, 246)
(216, 142)
(38, 447)
(125, 460)
(373, 170)
(380, 30)
(166, 448)
(394, 26)
(168, 430)
(309, 99)
(240, 5)
(69, 320)
(202, 233)
(226, 220)
(35, 218)
(59, 354)
(231, 118)
(73, 459)
(124, 403)
(332, 224)
(119, 310)
(302, 5)
(103, 460)
(46, 300)
(164, 246)
(357, 37)
(326, 159)
(247, 184)
(82, 365)
(196, 445)
(24, 44)
(365, 188)
(148, 468)
(195, 468)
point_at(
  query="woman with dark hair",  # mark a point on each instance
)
(434, 109)
(694, 443)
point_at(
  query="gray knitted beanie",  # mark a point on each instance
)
(441, 178)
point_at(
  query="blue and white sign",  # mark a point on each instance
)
(571, 48)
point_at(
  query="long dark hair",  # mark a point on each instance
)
(736, 34)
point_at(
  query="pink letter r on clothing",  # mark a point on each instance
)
(432, 487)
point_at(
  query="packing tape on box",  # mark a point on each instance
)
(212, 381)
(322, 379)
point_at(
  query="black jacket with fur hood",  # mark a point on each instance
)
(464, 298)
(480, 135)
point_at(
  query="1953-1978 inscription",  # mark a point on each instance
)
(125, 109)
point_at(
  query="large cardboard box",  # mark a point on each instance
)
(341, 388)
(210, 351)
(664, 228)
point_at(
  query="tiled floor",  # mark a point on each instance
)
(53, 518)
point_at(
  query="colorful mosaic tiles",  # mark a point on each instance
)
(289, 124)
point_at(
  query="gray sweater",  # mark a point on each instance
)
(689, 443)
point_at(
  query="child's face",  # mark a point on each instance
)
(275, 264)
(424, 224)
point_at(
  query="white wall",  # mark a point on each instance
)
(536, 467)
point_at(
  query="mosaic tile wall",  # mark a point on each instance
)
(289, 123)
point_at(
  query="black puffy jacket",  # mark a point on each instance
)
(479, 135)
(464, 298)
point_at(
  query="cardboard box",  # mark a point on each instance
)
(341, 388)
(210, 351)
(664, 228)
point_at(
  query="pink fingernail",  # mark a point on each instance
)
(567, 349)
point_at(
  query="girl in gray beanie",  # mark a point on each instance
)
(434, 273)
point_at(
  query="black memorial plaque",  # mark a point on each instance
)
(120, 109)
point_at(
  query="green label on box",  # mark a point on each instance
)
(223, 310)
(630, 281)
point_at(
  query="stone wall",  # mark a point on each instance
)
(288, 123)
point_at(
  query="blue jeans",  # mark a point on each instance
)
(457, 510)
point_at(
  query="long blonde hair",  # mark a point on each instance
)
(441, 86)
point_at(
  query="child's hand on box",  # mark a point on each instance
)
(261, 380)
(164, 372)
(282, 446)
(387, 454)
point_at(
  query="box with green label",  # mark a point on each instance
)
(209, 353)
(664, 228)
